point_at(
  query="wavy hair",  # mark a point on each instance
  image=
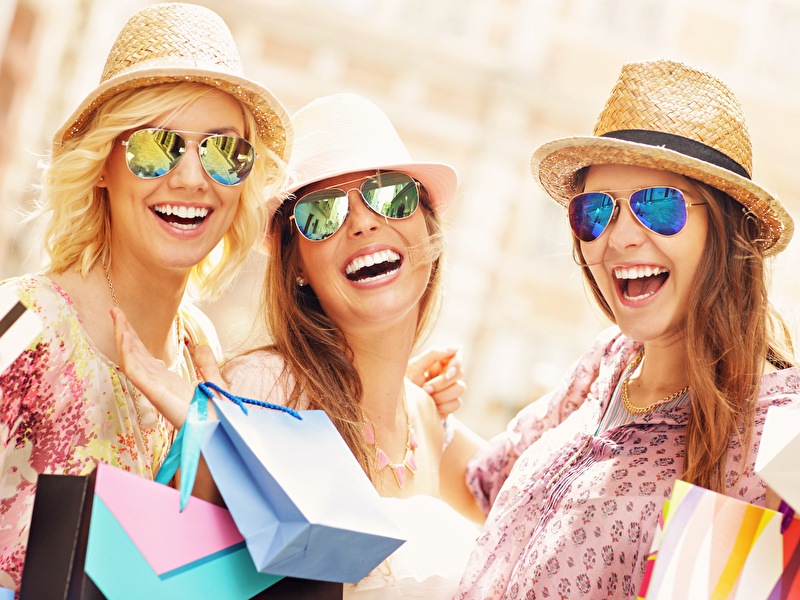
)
(300, 329)
(79, 226)
(731, 329)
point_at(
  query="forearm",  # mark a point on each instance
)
(453, 470)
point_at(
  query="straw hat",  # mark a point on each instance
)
(346, 133)
(176, 42)
(668, 115)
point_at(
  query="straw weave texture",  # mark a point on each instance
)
(670, 98)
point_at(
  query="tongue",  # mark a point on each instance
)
(645, 285)
(180, 220)
(372, 271)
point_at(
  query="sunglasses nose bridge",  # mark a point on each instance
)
(361, 217)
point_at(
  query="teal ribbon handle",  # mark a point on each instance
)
(185, 450)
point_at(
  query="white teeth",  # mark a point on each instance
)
(368, 260)
(182, 211)
(638, 272)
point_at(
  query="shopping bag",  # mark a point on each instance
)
(296, 492)
(57, 539)
(141, 546)
(113, 535)
(298, 495)
(709, 545)
(777, 460)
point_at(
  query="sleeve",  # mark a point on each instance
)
(260, 375)
(489, 468)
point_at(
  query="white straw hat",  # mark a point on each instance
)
(346, 133)
(667, 115)
(176, 42)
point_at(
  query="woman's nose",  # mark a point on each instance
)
(362, 219)
(624, 229)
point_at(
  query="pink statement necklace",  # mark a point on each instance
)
(409, 462)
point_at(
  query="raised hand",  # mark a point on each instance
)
(167, 391)
(438, 371)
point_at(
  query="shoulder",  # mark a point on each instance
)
(780, 388)
(422, 409)
(38, 293)
(259, 374)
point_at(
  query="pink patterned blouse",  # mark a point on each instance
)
(65, 407)
(571, 514)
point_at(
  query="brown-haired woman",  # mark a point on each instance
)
(672, 236)
(353, 283)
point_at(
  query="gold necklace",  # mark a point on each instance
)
(642, 410)
(409, 462)
(137, 395)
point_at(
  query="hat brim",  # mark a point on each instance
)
(438, 179)
(555, 164)
(274, 125)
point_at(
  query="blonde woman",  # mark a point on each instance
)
(163, 162)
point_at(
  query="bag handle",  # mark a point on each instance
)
(185, 450)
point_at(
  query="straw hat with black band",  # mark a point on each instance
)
(177, 42)
(668, 115)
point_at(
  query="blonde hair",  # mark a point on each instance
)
(731, 329)
(300, 329)
(79, 228)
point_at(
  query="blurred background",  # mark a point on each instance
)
(478, 84)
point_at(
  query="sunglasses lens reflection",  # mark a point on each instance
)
(151, 153)
(319, 215)
(660, 209)
(589, 215)
(227, 159)
(393, 195)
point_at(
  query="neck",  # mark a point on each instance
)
(150, 304)
(381, 358)
(663, 370)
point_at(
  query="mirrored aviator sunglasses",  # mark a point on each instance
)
(663, 210)
(152, 153)
(321, 213)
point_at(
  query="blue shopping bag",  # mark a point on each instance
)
(296, 493)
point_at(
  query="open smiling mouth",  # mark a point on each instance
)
(370, 267)
(638, 283)
(181, 217)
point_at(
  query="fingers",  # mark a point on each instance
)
(449, 407)
(432, 362)
(206, 364)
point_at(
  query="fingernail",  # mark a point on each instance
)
(450, 373)
(428, 389)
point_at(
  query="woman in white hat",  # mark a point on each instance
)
(672, 236)
(163, 162)
(353, 283)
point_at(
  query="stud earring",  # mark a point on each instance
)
(300, 281)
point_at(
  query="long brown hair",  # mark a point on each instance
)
(314, 350)
(731, 328)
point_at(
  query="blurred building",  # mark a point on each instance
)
(475, 83)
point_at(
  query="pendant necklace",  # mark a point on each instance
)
(404, 468)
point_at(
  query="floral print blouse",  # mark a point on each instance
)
(572, 514)
(65, 407)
